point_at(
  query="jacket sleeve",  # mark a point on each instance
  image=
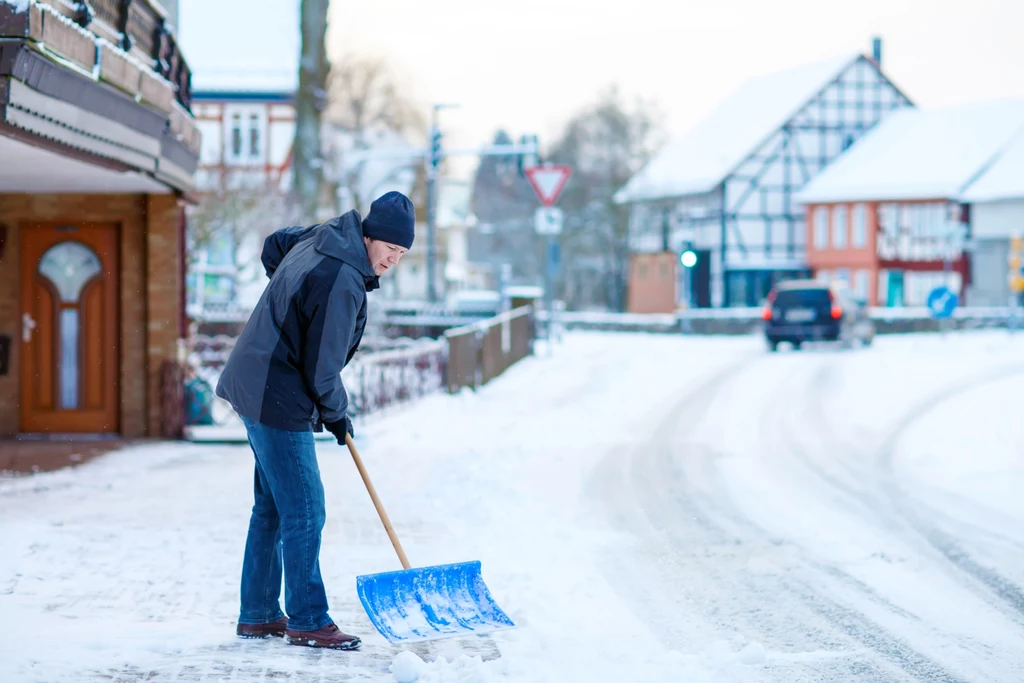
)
(331, 323)
(279, 243)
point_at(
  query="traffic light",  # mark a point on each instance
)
(435, 147)
(688, 257)
(526, 161)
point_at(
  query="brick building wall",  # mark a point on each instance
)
(653, 283)
(853, 253)
(149, 305)
(163, 293)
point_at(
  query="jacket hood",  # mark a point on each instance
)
(339, 238)
(342, 238)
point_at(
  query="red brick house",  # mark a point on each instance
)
(888, 216)
(97, 151)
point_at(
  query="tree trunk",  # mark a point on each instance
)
(310, 101)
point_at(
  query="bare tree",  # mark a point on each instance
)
(232, 219)
(310, 102)
(606, 144)
(364, 92)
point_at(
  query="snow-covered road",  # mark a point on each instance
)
(647, 508)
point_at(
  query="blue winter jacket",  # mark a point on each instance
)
(285, 369)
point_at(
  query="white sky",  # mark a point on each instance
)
(528, 65)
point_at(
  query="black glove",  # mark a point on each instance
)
(339, 429)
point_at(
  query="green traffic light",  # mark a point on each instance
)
(688, 259)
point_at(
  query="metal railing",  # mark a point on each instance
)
(479, 352)
(468, 356)
(379, 380)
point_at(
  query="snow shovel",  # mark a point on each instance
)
(427, 603)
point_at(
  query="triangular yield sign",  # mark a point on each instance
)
(548, 181)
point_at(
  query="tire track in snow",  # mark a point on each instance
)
(1006, 591)
(669, 502)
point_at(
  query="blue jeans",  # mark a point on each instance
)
(284, 531)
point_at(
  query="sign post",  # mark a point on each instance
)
(548, 182)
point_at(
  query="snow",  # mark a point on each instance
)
(920, 154)
(241, 45)
(18, 5)
(700, 160)
(1004, 179)
(407, 667)
(646, 508)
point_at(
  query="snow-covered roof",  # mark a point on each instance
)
(700, 160)
(1004, 179)
(241, 45)
(919, 154)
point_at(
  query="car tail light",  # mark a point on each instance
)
(837, 310)
(766, 312)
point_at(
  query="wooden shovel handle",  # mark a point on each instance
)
(376, 502)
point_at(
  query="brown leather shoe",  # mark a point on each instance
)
(274, 629)
(329, 636)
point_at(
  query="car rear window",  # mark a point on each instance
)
(802, 297)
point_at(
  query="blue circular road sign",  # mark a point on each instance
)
(941, 302)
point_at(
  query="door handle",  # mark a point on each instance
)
(27, 325)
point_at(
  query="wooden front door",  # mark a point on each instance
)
(69, 343)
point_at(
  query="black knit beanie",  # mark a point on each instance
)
(392, 219)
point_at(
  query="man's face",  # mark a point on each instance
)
(383, 256)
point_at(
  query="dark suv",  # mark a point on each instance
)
(805, 310)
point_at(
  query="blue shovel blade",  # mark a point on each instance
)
(430, 603)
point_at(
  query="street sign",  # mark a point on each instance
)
(548, 181)
(547, 220)
(941, 302)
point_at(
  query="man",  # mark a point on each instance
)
(284, 380)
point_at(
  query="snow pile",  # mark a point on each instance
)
(407, 667)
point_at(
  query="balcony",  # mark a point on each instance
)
(103, 81)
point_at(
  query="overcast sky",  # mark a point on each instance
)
(528, 65)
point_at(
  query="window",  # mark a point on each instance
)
(254, 135)
(236, 135)
(860, 226)
(860, 285)
(839, 227)
(821, 227)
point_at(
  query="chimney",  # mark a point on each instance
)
(876, 50)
